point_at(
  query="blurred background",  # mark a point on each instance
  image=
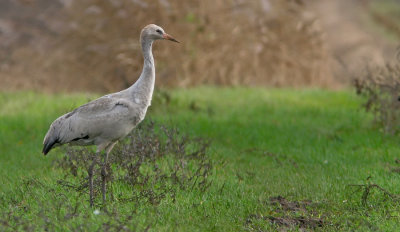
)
(93, 45)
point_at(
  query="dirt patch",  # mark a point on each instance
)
(285, 215)
(286, 205)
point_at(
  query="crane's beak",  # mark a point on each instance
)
(168, 37)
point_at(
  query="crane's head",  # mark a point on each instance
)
(154, 32)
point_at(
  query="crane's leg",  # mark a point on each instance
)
(90, 172)
(104, 171)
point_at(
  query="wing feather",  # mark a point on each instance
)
(101, 117)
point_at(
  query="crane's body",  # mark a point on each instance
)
(100, 122)
(106, 120)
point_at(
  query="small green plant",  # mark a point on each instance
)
(367, 191)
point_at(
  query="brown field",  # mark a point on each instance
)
(92, 45)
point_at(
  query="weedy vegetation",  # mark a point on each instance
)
(380, 86)
(150, 164)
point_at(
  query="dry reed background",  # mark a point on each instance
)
(93, 45)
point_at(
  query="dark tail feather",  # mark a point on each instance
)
(48, 145)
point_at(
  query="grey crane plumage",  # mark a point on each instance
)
(106, 120)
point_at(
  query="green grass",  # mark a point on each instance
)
(299, 144)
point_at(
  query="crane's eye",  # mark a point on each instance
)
(159, 31)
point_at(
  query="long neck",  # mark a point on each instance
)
(142, 90)
(147, 55)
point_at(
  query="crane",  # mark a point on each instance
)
(106, 120)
